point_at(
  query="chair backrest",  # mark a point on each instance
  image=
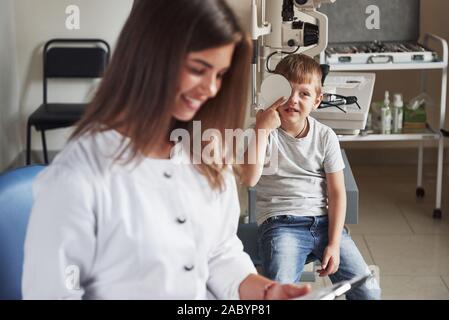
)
(74, 58)
(247, 233)
(16, 200)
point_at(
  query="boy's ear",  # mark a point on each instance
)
(318, 101)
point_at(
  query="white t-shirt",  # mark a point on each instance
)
(152, 229)
(294, 180)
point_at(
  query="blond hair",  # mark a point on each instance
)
(299, 68)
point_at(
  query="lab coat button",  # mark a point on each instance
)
(167, 174)
(181, 220)
(189, 267)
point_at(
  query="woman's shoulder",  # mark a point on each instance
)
(90, 154)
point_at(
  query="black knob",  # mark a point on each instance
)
(291, 43)
(311, 34)
(287, 10)
(296, 25)
(325, 68)
(181, 220)
(301, 2)
(189, 268)
(168, 175)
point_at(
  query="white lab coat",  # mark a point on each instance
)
(152, 229)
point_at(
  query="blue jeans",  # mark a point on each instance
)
(288, 242)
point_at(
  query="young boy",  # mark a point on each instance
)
(302, 206)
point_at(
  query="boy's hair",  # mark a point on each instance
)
(299, 68)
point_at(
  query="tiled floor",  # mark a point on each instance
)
(397, 233)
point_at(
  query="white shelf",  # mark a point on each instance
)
(388, 66)
(440, 64)
(427, 135)
(420, 137)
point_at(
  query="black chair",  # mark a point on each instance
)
(66, 59)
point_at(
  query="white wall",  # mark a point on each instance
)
(9, 87)
(40, 20)
(243, 10)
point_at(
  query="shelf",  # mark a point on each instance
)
(439, 64)
(426, 135)
(388, 66)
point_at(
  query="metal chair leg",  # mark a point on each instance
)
(44, 146)
(28, 151)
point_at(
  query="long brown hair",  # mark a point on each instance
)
(139, 87)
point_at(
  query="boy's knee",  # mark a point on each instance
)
(369, 291)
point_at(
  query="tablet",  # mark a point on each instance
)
(336, 290)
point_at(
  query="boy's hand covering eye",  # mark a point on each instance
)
(269, 118)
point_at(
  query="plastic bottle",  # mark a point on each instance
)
(398, 113)
(385, 126)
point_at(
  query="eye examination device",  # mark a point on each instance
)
(272, 88)
(288, 26)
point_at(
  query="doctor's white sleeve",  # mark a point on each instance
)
(229, 265)
(60, 242)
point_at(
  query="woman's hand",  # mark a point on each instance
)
(257, 287)
(277, 291)
(269, 118)
(331, 260)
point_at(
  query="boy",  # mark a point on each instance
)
(302, 206)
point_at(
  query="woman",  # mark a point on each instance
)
(114, 216)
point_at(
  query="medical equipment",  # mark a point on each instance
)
(272, 88)
(287, 27)
(386, 119)
(337, 100)
(398, 113)
(379, 52)
(276, 86)
(377, 32)
(352, 87)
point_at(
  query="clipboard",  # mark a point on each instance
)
(336, 290)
